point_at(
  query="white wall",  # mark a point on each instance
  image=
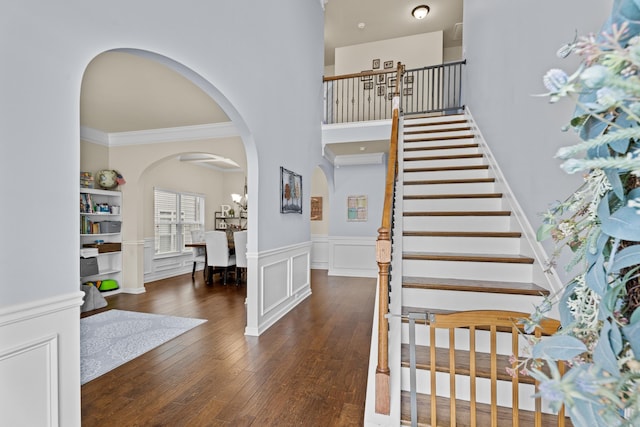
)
(413, 51)
(218, 45)
(509, 45)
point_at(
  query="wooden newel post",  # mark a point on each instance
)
(383, 258)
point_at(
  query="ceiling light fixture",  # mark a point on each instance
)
(420, 12)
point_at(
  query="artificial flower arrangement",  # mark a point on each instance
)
(600, 222)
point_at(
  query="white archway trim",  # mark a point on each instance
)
(155, 136)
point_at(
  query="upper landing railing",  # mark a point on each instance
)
(369, 95)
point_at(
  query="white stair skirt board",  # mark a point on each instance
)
(450, 174)
(468, 188)
(457, 223)
(467, 270)
(487, 245)
(453, 204)
(455, 300)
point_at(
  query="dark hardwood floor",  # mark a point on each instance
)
(309, 369)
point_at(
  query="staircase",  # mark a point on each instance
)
(462, 247)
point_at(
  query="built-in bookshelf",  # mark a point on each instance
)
(100, 227)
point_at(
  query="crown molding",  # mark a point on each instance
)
(155, 136)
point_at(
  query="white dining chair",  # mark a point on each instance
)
(199, 254)
(218, 253)
(240, 244)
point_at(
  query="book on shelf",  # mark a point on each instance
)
(86, 204)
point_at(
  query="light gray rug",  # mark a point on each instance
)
(111, 338)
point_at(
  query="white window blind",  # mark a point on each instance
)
(173, 231)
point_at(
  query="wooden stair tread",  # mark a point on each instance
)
(462, 357)
(444, 256)
(408, 124)
(458, 213)
(463, 410)
(453, 196)
(459, 156)
(441, 147)
(439, 138)
(456, 129)
(450, 181)
(465, 285)
(505, 234)
(446, 168)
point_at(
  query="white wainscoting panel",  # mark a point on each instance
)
(40, 362)
(282, 282)
(352, 256)
(319, 251)
(162, 268)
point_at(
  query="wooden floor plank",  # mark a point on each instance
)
(310, 368)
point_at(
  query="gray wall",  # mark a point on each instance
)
(240, 52)
(509, 46)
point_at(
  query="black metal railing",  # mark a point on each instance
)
(432, 89)
(369, 95)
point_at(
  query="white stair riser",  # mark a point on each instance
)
(474, 204)
(483, 389)
(457, 300)
(462, 188)
(408, 120)
(451, 174)
(456, 223)
(467, 270)
(444, 162)
(441, 152)
(487, 245)
(438, 138)
(503, 340)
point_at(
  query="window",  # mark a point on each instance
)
(173, 231)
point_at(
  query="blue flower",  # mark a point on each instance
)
(555, 80)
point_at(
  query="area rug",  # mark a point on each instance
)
(113, 337)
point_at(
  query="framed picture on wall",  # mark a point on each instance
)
(388, 64)
(316, 208)
(382, 90)
(357, 208)
(381, 78)
(290, 191)
(368, 86)
(376, 64)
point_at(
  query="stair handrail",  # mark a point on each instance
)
(383, 259)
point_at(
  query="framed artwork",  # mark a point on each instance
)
(388, 64)
(290, 191)
(408, 79)
(316, 208)
(391, 82)
(407, 91)
(382, 90)
(376, 64)
(357, 208)
(366, 78)
(381, 78)
(368, 86)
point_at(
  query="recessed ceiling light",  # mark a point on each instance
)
(362, 148)
(420, 12)
(361, 25)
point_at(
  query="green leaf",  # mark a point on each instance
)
(626, 258)
(596, 277)
(613, 176)
(566, 317)
(623, 223)
(635, 317)
(544, 231)
(632, 333)
(603, 354)
(558, 347)
(586, 413)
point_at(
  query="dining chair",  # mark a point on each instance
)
(199, 254)
(240, 244)
(218, 253)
